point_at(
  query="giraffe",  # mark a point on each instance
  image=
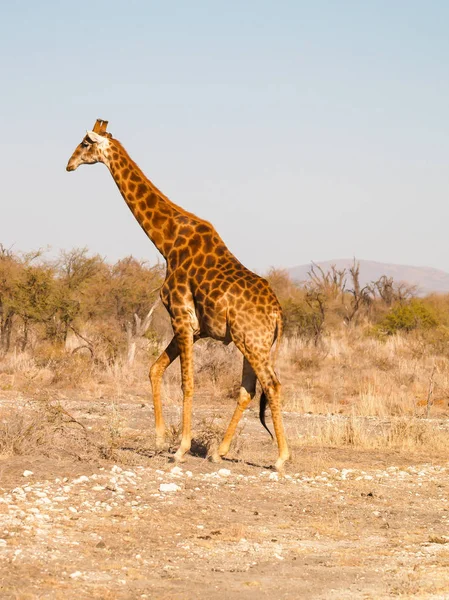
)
(207, 293)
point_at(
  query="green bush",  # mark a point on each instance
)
(407, 317)
(301, 319)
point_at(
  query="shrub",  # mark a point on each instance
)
(407, 317)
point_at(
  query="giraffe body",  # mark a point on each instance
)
(207, 293)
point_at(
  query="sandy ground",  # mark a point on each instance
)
(342, 524)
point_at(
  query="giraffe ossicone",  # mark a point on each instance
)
(207, 293)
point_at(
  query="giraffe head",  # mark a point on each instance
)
(93, 148)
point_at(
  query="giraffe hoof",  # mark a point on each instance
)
(161, 446)
(179, 457)
(215, 457)
(280, 467)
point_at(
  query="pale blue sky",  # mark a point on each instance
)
(303, 130)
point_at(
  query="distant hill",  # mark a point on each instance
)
(426, 278)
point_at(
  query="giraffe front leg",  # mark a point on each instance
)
(184, 338)
(156, 373)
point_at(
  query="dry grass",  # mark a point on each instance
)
(349, 378)
(354, 374)
(404, 434)
(45, 427)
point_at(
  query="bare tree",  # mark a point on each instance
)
(390, 292)
(361, 296)
(331, 283)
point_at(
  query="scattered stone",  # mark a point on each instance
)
(169, 487)
(224, 472)
(81, 479)
(129, 474)
(28, 473)
(75, 574)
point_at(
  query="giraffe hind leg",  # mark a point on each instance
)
(272, 389)
(260, 360)
(247, 392)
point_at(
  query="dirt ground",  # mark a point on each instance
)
(342, 523)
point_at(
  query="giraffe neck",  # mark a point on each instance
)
(156, 214)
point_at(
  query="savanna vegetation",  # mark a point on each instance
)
(77, 324)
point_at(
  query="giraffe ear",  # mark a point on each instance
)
(95, 138)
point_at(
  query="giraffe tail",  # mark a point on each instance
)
(262, 409)
(263, 399)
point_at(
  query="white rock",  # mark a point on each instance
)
(274, 476)
(116, 469)
(97, 488)
(3, 542)
(169, 487)
(75, 574)
(224, 472)
(176, 471)
(43, 501)
(81, 479)
(131, 473)
(28, 473)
